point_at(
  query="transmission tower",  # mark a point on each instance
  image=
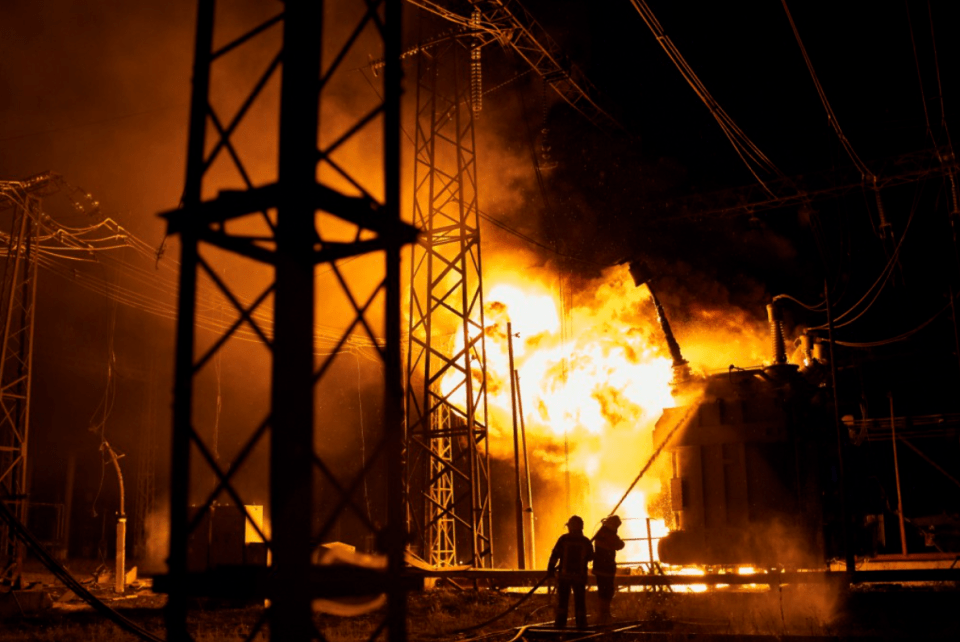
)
(17, 307)
(316, 214)
(448, 473)
(448, 468)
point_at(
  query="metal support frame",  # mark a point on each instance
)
(290, 244)
(17, 307)
(509, 24)
(447, 455)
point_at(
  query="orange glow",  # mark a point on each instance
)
(594, 388)
(691, 588)
(595, 376)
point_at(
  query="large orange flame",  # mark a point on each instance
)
(595, 375)
(592, 389)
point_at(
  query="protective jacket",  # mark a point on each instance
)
(571, 553)
(607, 543)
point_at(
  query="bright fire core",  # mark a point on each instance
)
(593, 382)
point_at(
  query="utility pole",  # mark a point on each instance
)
(848, 553)
(526, 468)
(521, 555)
(121, 565)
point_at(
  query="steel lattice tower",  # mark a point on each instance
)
(317, 213)
(17, 306)
(448, 480)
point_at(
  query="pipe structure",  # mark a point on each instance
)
(841, 444)
(521, 562)
(896, 473)
(120, 571)
(526, 468)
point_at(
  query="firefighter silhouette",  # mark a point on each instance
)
(607, 543)
(569, 559)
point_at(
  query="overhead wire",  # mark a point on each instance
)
(820, 307)
(484, 215)
(60, 245)
(751, 155)
(895, 339)
(831, 116)
(882, 279)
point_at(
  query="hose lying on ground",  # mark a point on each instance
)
(643, 471)
(500, 615)
(72, 583)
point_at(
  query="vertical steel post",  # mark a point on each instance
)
(526, 468)
(291, 434)
(841, 442)
(121, 552)
(294, 242)
(120, 580)
(176, 609)
(521, 559)
(896, 473)
(396, 619)
(650, 543)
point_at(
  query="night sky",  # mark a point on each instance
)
(98, 92)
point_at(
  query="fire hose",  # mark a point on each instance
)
(643, 471)
(72, 583)
(513, 608)
(653, 457)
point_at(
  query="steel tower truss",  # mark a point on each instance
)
(314, 217)
(448, 473)
(509, 24)
(17, 306)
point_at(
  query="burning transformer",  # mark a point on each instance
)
(743, 473)
(747, 473)
(753, 473)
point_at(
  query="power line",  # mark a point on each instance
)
(831, 116)
(64, 250)
(751, 155)
(899, 337)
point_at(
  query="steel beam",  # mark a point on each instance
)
(309, 187)
(17, 307)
